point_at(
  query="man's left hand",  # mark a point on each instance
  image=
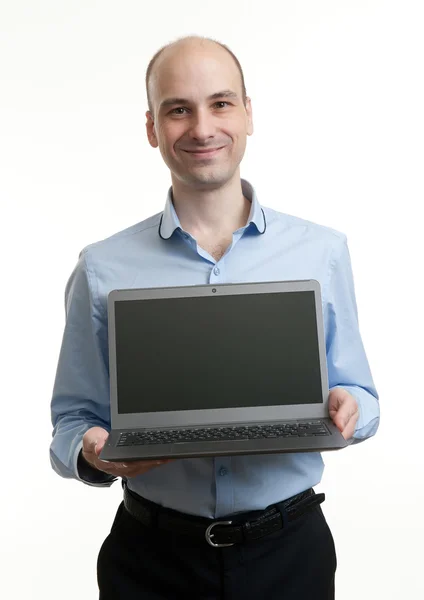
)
(344, 411)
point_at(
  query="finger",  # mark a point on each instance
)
(89, 453)
(135, 467)
(150, 463)
(336, 403)
(89, 447)
(344, 414)
(349, 429)
(94, 435)
(332, 409)
(112, 468)
(98, 447)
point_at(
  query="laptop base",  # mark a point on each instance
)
(200, 449)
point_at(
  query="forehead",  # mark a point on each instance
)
(194, 73)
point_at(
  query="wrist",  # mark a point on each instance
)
(89, 472)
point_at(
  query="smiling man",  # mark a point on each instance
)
(212, 230)
(202, 138)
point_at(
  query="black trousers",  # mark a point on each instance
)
(295, 563)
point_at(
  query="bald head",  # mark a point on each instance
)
(180, 55)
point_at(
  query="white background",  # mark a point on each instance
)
(337, 96)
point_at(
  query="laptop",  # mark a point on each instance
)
(218, 370)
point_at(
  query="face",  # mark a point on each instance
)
(198, 106)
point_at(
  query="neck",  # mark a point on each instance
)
(210, 212)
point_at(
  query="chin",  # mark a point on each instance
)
(207, 178)
(211, 174)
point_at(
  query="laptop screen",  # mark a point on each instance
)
(221, 351)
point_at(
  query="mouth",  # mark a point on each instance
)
(204, 153)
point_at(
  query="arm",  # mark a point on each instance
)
(347, 363)
(81, 389)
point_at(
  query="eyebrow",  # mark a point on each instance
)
(223, 94)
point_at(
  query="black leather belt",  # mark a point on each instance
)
(220, 533)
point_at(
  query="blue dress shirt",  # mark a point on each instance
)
(158, 252)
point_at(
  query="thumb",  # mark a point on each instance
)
(340, 420)
(95, 439)
(100, 441)
(98, 446)
(338, 409)
(343, 415)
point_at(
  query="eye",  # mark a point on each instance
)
(183, 108)
(179, 108)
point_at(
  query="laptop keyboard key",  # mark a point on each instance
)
(207, 434)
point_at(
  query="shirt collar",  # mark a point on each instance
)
(169, 221)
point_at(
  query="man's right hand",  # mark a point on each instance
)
(92, 443)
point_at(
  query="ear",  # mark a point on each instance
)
(249, 116)
(150, 129)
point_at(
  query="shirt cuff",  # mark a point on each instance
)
(369, 414)
(89, 474)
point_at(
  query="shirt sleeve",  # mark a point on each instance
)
(81, 397)
(346, 359)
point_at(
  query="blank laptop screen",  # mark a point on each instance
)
(221, 351)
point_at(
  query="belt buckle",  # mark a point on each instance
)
(209, 535)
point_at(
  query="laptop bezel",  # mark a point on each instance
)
(207, 417)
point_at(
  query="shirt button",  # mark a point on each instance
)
(223, 471)
(216, 271)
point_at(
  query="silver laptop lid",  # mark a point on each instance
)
(209, 354)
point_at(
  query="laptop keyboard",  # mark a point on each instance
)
(248, 432)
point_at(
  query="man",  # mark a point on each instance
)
(212, 230)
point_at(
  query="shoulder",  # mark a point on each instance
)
(283, 222)
(131, 238)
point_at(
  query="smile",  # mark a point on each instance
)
(203, 154)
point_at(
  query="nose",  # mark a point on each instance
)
(202, 126)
